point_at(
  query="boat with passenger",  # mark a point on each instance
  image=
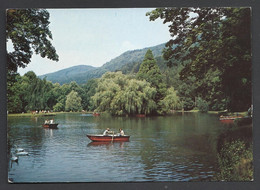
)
(107, 138)
(229, 119)
(51, 125)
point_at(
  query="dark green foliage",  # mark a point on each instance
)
(235, 162)
(36, 92)
(90, 90)
(150, 72)
(214, 46)
(28, 30)
(202, 105)
(14, 94)
(30, 93)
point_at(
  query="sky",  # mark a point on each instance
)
(95, 36)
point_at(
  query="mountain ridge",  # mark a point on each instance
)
(82, 73)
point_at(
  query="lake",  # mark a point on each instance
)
(180, 147)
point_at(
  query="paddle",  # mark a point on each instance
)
(112, 137)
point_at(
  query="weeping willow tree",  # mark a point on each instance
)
(34, 93)
(170, 102)
(73, 102)
(120, 95)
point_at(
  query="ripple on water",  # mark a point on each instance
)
(152, 154)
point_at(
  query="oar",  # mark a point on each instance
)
(112, 137)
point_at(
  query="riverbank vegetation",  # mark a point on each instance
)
(235, 154)
(205, 67)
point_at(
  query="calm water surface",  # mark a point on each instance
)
(181, 147)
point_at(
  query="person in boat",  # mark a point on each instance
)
(106, 131)
(121, 132)
(46, 121)
(51, 121)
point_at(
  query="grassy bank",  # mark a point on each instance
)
(235, 154)
(40, 114)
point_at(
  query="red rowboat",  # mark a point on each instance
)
(51, 125)
(228, 119)
(96, 114)
(108, 138)
(140, 115)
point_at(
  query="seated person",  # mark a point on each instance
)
(106, 131)
(121, 132)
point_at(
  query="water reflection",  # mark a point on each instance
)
(107, 144)
(172, 148)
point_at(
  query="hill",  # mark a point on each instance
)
(67, 75)
(127, 62)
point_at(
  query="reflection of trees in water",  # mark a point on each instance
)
(25, 132)
(108, 145)
(177, 159)
(243, 133)
(180, 148)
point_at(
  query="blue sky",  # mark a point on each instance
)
(95, 36)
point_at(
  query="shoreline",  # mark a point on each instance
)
(244, 113)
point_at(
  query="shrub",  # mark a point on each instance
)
(58, 107)
(202, 105)
(235, 162)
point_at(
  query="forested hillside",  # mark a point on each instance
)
(82, 73)
(67, 75)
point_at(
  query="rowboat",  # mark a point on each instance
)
(228, 119)
(96, 114)
(51, 125)
(108, 138)
(140, 115)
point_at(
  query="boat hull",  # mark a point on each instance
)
(108, 138)
(51, 126)
(228, 119)
(140, 115)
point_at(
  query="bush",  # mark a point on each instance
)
(58, 107)
(235, 162)
(188, 104)
(202, 105)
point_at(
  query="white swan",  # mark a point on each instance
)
(19, 149)
(22, 153)
(14, 159)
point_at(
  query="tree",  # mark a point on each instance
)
(212, 40)
(123, 95)
(202, 105)
(150, 72)
(170, 102)
(90, 90)
(28, 30)
(73, 102)
(14, 95)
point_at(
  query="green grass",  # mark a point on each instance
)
(39, 114)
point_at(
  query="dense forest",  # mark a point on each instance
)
(205, 66)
